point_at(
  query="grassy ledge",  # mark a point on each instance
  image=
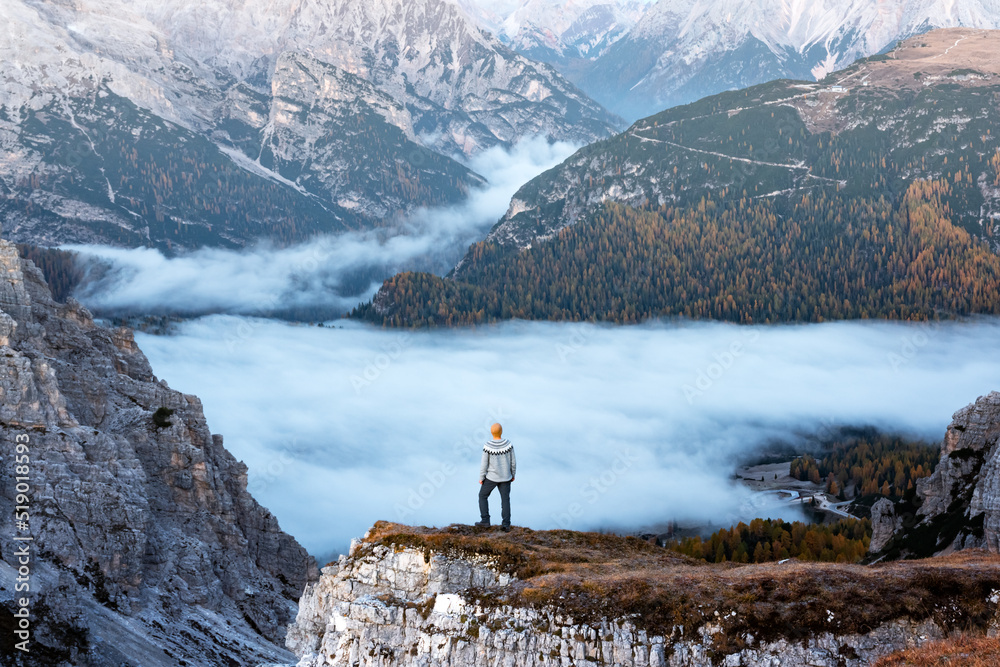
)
(593, 577)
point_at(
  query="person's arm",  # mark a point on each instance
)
(513, 465)
(483, 465)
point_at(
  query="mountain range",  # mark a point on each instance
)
(178, 125)
(710, 209)
(638, 59)
(926, 110)
(557, 31)
(171, 123)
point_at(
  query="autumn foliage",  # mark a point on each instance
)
(766, 540)
(745, 260)
(879, 465)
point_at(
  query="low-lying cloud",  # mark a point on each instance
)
(333, 273)
(613, 427)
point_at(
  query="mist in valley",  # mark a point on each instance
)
(323, 278)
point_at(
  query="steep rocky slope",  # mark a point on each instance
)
(465, 89)
(958, 506)
(146, 548)
(412, 596)
(339, 136)
(172, 123)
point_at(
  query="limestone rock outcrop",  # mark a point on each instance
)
(146, 547)
(958, 506)
(401, 606)
(885, 523)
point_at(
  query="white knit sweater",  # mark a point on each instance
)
(498, 464)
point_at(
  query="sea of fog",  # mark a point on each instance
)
(614, 427)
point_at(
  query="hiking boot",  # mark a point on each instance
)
(482, 524)
(505, 528)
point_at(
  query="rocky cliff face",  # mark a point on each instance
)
(392, 605)
(323, 129)
(885, 524)
(146, 547)
(958, 506)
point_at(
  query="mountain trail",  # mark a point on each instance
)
(948, 50)
(796, 166)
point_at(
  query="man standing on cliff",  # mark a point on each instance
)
(497, 470)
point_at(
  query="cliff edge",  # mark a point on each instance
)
(460, 596)
(143, 545)
(463, 596)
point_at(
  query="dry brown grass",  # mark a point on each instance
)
(592, 576)
(937, 54)
(527, 553)
(963, 651)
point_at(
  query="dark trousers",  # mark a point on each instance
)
(484, 503)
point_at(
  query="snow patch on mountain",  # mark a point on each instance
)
(557, 31)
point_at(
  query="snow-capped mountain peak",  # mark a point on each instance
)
(557, 31)
(358, 105)
(684, 49)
